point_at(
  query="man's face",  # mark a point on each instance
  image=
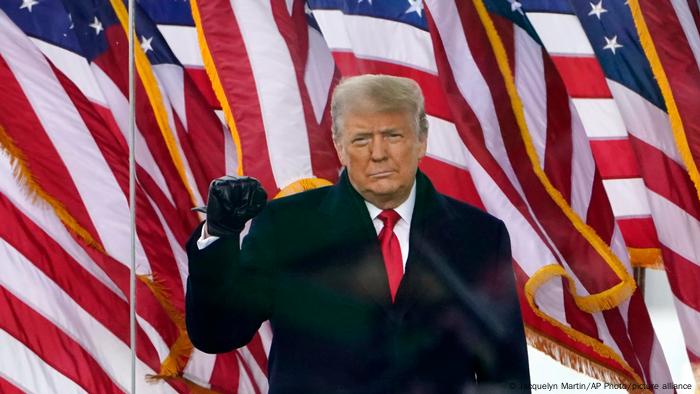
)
(381, 153)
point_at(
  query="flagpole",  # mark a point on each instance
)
(132, 198)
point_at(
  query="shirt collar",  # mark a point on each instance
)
(405, 210)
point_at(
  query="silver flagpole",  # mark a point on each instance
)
(132, 197)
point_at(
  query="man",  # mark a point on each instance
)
(377, 284)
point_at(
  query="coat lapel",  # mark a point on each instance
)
(351, 230)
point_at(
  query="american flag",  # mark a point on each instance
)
(537, 115)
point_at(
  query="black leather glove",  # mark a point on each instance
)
(232, 201)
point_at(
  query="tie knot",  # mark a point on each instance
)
(389, 217)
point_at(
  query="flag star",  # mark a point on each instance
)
(515, 5)
(28, 4)
(360, 1)
(146, 44)
(415, 6)
(597, 9)
(97, 25)
(70, 18)
(611, 43)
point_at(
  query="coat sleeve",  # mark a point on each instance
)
(229, 289)
(510, 365)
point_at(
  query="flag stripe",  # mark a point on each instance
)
(53, 346)
(29, 372)
(582, 76)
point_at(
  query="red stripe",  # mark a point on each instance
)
(600, 215)
(53, 346)
(435, 100)
(578, 320)
(621, 335)
(587, 264)
(255, 346)
(21, 124)
(559, 148)
(151, 233)
(639, 232)
(679, 64)
(48, 256)
(582, 76)
(684, 277)
(693, 358)
(666, 177)
(7, 387)
(201, 80)
(614, 158)
(295, 31)
(225, 375)
(642, 336)
(198, 163)
(452, 181)
(234, 70)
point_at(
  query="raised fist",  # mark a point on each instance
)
(233, 200)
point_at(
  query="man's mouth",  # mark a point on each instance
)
(381, 174)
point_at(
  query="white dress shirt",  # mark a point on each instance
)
(402, 227)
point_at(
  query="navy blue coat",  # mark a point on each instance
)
(312, 265)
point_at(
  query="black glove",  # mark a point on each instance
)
(232, 202)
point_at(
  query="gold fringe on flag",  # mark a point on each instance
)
(662, 80)
(543, 275)
(609, 298)
(36, 192)
(301, 185)
(210, 68)
(575, 360)
(646, 258)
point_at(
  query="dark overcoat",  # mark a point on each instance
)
(312, 265)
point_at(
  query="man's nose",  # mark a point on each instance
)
(378, 148)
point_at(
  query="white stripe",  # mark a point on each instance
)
(259, 376)
(183, 41)
(245, 384)
(689, 320)
(582, 166)
(645, 121)
(154, 336)
(278, 92)
(75, 67)
(659, 369)
(168, 106)
(532, 88)
(27, 371)
(318, 74)
(379, 39)
(118, 104)
(44, 217)
(549, 27)
(36, 290)
(265, 333)
(685, 18)
(471, 83)
(199, 367)
(600, 117)
(549, 299)
(620, 193)
(106, 204)
(445, 144)
(677, 229)
(171, 81)
(178, 251)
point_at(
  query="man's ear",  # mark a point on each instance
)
(423, 141)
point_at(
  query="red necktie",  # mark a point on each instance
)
(391, 251)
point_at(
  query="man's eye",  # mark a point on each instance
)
(360, 141)
(395, 137)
